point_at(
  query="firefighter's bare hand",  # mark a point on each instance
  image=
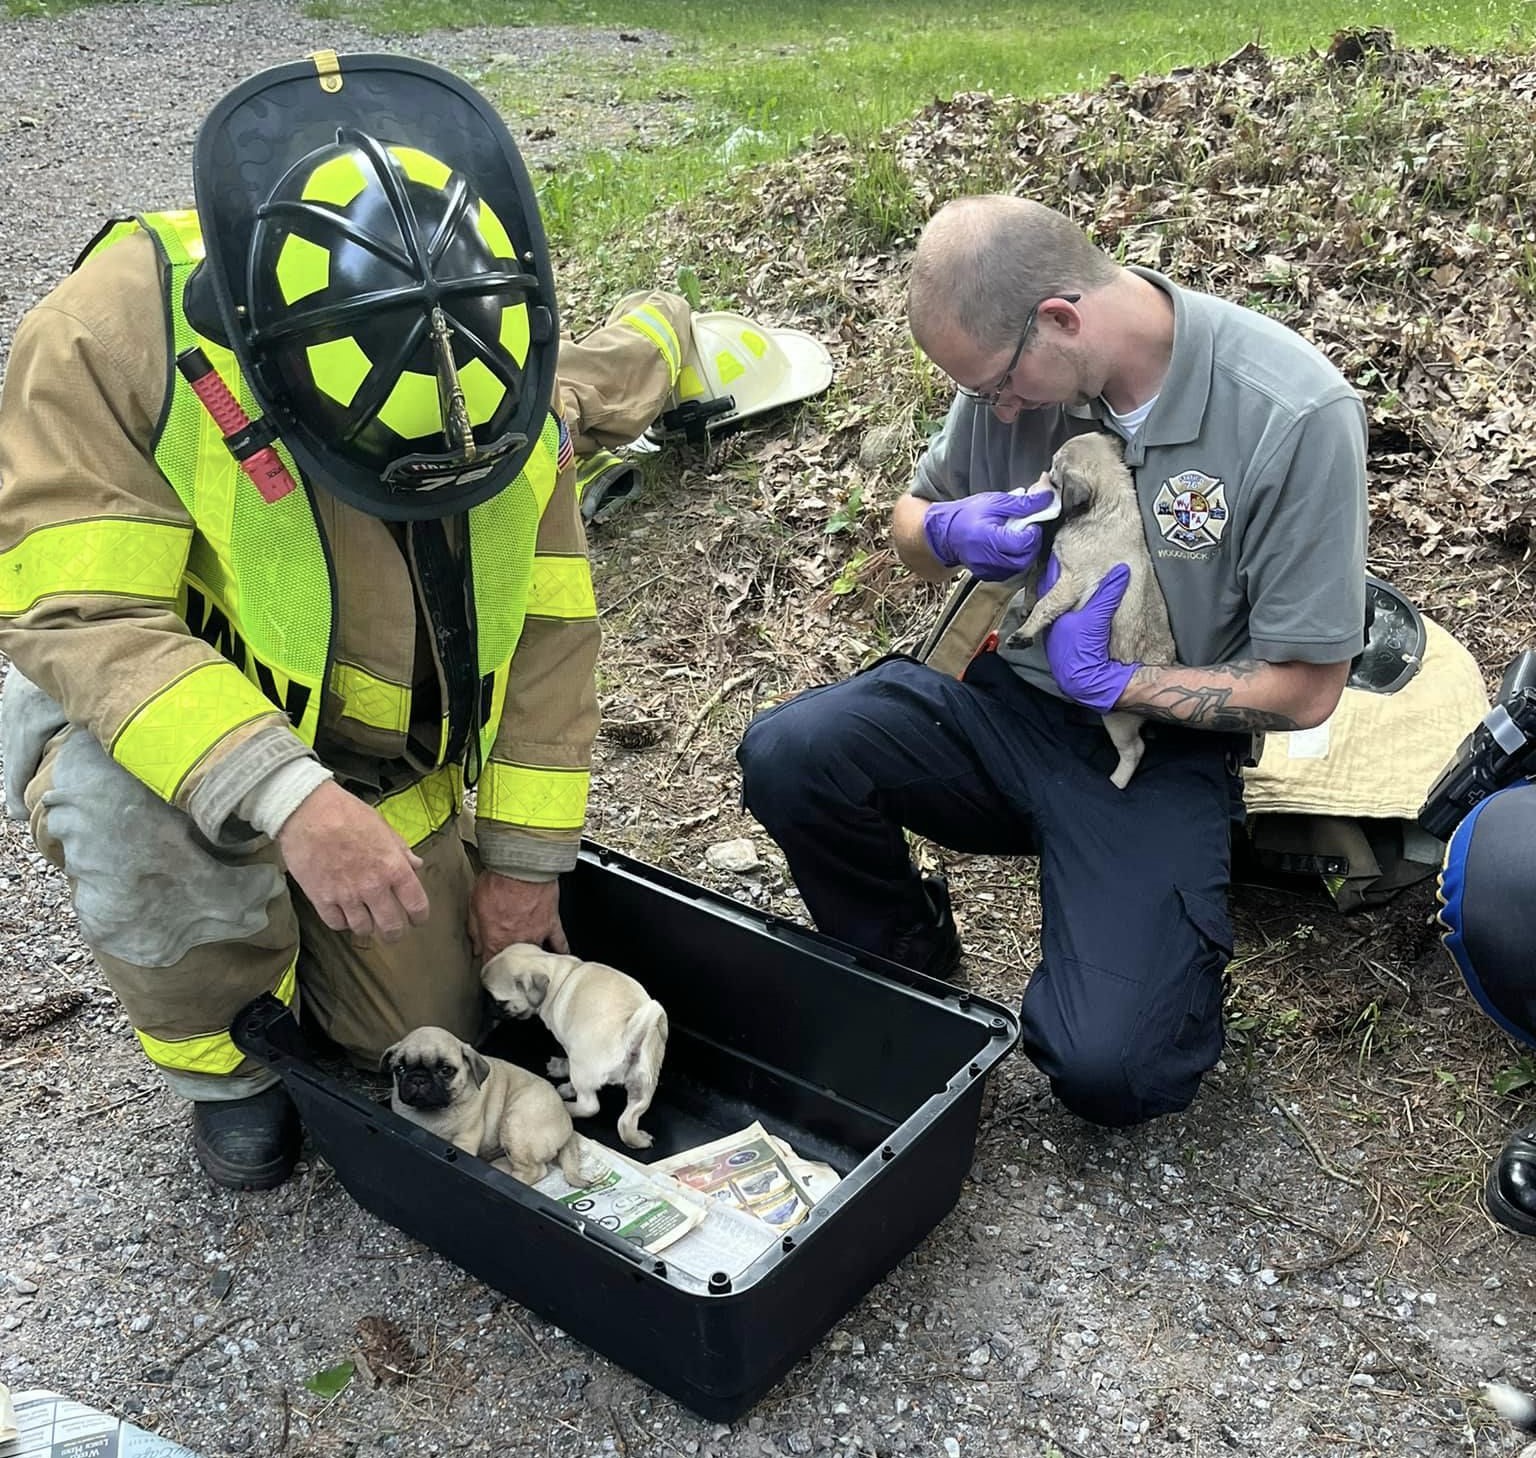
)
(356, 869)
(503, 910)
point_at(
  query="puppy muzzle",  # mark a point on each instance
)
(422, 1090)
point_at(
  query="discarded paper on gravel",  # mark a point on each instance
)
(45, 1425)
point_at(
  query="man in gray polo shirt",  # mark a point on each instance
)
(1248, 450)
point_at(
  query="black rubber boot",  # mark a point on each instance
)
(248, 1144)
(934, 946)
(1511, 1187)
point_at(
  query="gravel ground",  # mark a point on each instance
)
(1213, 1283)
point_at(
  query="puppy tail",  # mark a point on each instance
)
(1518, 1410)
(645, 1040)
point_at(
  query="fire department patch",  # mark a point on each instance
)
(1191, 510)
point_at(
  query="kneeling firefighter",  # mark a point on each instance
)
(292, 559)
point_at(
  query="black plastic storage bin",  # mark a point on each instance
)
(853, 1060)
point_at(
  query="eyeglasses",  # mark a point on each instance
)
(992, 396)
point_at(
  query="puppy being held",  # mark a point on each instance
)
(485, 1106)
(613, 1031)
(1100, 527)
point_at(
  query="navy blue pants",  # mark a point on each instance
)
(1123, 1012)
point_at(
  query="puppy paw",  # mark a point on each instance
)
(638, 1140)
(558, 1068)
(567, 1091)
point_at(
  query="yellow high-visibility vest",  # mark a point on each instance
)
(254, 581)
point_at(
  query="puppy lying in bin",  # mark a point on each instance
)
(1100, 527)
(485, 1106)
(613, 1031)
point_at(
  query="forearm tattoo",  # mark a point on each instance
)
(1208, 706)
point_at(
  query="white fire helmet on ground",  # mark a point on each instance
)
(736, 368)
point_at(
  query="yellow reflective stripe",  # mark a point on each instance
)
(542, 799)
(561, 587)
(655, 328)
(426, 807)
(163, 740)
(372, 701)
(124, 556)
(663, 325)
(212, 1052)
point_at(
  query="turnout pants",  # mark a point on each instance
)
(188, 932)
(1123, 1012)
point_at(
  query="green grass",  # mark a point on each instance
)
(772, 76)
(765, 78)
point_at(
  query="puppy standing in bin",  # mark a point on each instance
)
(613, 1031)
(485, 1106)
(1100, 527)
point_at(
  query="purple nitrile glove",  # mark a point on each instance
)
(1077, 643)
(983, 534)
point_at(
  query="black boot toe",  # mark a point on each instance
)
(248, 1144)
(1511, 1188)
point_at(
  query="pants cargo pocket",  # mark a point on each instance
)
(1181, 1035)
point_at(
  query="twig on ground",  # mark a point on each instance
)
(612, 605)
(310, 1186)
(708, 707)
(1269, 1214)
(172, 1362)
(1329, 1169)
(528, 1337)
(132, 1098)
(1345, 1249)
(38, 1224)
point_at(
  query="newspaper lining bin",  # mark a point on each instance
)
(871, 1067)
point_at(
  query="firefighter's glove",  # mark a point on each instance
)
(983, 533)
(1077, 643)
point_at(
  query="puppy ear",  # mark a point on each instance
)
(475, 1064)
(387, 1060)
(535, 987)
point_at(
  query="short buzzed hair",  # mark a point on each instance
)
(983, 262)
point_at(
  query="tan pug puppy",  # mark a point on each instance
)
(1100, 526)
(485, 1106)
(612, 1030)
